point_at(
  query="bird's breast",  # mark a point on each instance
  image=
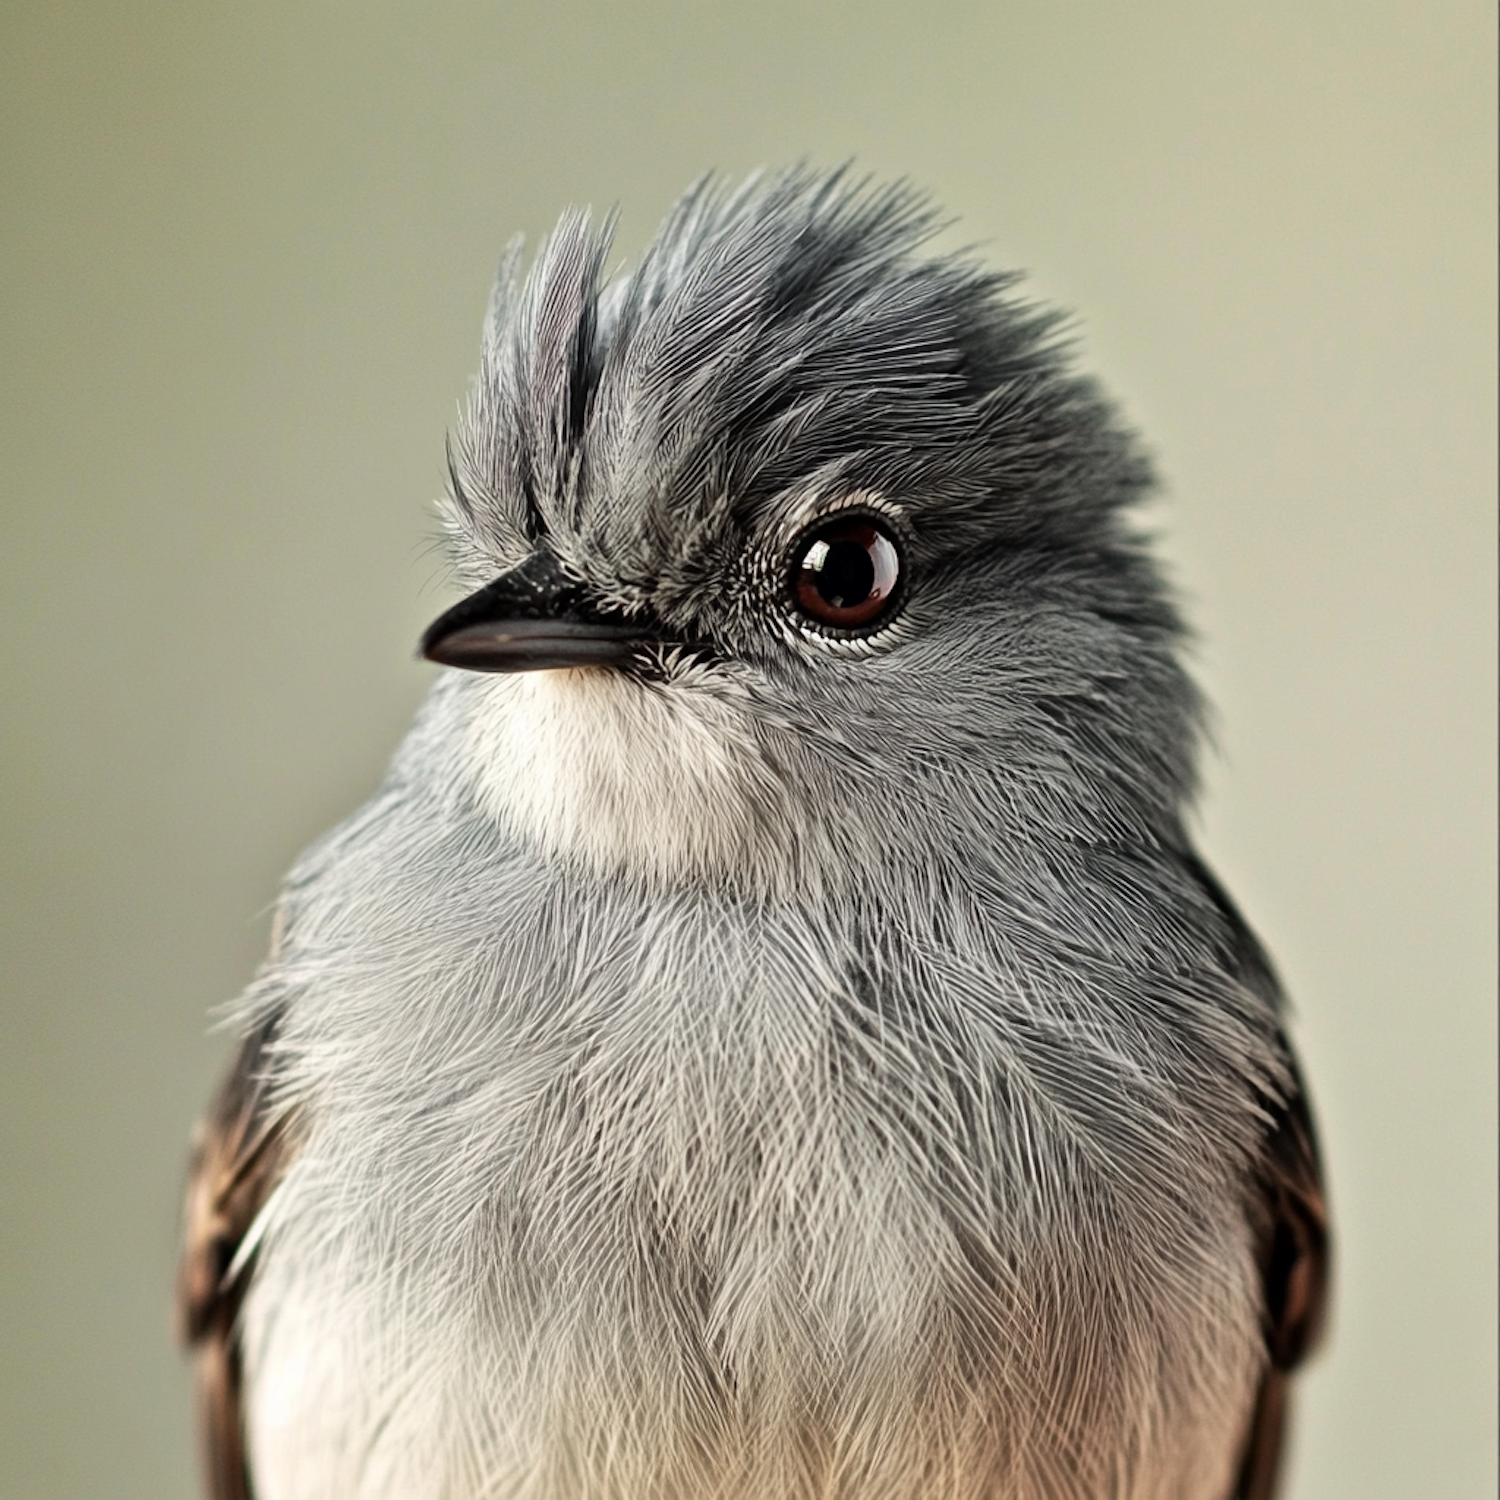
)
(717, 1200)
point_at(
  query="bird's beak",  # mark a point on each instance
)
(530, 620)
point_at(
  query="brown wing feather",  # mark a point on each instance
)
(1291, 1215)
(1294, 1264)
(240, 1151)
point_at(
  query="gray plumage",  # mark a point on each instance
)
(787, 1060)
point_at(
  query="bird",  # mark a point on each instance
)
(770, 1036)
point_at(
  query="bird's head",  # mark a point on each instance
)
(797, 551)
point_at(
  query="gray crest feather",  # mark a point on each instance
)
(769, 332)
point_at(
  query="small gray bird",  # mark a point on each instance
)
(769, 1037)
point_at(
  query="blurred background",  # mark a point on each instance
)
(244, 254)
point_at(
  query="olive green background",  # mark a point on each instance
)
(244, 252)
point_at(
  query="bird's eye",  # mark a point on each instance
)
(845, 572)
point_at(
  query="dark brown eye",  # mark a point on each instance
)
(846, 572)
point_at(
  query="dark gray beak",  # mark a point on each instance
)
(530, 620)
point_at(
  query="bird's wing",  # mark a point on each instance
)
(1291, 1215)
(241, 1149)
(1294, 1266)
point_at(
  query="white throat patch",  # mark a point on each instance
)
(661, 779)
